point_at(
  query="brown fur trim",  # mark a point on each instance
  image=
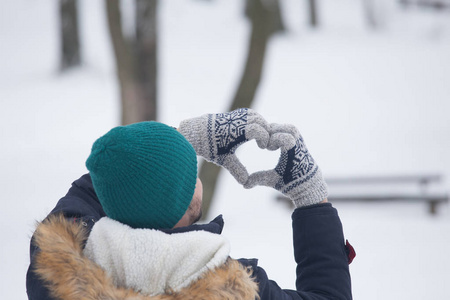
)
(69, 275)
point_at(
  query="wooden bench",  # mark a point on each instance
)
(387, 188)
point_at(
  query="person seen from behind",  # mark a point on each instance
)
(127, 229)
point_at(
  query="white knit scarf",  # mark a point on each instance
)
(150, 261)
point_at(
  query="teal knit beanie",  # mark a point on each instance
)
(144, 174)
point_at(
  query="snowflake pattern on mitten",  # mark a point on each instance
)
(229, 130)
(215, 137)
(302, 161)
(296, 164)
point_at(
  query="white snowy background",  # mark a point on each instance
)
(367, 103)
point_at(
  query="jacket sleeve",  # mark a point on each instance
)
(80, 203)
(320, 253)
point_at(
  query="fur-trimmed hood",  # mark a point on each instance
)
(151, 261)
(70, 275)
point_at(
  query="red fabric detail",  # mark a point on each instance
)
(350, 252)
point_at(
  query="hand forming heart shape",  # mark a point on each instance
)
(217, 136)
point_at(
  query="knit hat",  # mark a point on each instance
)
(144, 174)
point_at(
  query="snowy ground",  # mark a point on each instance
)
(367, 103)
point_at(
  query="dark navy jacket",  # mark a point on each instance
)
(319, 249)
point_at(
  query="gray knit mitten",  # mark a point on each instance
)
(296, 175)
(216, 137)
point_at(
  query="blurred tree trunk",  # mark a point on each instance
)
(146, 54)
(265, 18)
(313, 19)
(370, 11)
(136, 61)
(69, 35)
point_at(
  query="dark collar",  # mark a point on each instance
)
(215, 226)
